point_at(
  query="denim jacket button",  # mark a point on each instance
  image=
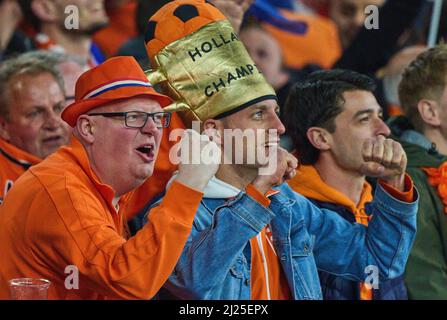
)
(306, 248)
(247, 282)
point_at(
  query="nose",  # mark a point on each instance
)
(53, 121)
(382, 128)
(150, 127)
(278, 125)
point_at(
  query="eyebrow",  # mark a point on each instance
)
(366, 111)
(264, 107)
(37, 107)
(59, 103)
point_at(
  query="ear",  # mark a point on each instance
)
(4, 132)
(319, 138)
(429, 112)
(214, 129)
(85, 129)
(45, 10)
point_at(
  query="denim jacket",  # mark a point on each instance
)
(215, 263)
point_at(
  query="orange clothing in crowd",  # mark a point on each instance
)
(122, 27)
(268, 281)
(59, 214)
(13, 163)
(308, 183)
(320, 45)
(320, 6)
(395, 110)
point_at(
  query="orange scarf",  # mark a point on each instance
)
(437, 177)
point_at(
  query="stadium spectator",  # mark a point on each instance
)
(423, 134)
(332, 118)
(67, 26)
(32, 99)
(65, 210)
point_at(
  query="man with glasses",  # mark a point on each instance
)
(67, 211)
(31, 100)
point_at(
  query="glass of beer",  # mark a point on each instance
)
(29, 289)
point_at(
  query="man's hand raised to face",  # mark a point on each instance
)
(285, 169)
(385, 159)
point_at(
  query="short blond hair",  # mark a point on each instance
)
(424, 78)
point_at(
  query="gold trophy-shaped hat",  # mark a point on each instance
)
(199, 61)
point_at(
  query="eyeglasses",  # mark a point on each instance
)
(138, 119)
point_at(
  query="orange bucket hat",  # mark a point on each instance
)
(116, 79)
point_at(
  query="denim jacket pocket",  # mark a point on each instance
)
(306, 275)
(238, 269)
(237, 284)
(302, 242)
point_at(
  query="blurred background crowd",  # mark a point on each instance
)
(287, 39)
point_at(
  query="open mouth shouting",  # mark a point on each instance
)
(146, 152)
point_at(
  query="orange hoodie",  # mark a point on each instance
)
(59, 214)
(13, 163)
(309, 183)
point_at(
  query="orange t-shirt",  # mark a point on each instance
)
(13, 163)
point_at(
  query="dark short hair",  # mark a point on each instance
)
(316, 102)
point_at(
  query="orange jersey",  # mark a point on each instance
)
(320, 45)
(13, 163)
(60, 215)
